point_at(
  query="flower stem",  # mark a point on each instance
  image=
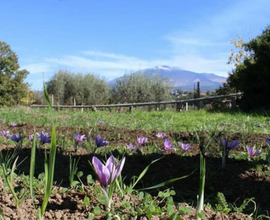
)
(200, 201)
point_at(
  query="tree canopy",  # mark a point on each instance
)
(139, 87)
(252, 72)
(12, 86)
(86, 89)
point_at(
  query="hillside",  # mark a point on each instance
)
(184, 79)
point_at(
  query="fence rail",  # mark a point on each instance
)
(132, 105)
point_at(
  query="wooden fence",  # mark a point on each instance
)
(180, 104)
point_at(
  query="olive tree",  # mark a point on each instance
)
(84, 88)
(139, 87)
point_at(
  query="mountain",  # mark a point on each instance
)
(184, 79)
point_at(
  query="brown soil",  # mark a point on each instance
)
(69, 205)
(240, 179)
(122, 136)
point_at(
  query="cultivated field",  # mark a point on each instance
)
(238, 190)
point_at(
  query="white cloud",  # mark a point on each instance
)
(200, 64)
(121, 64)
(35, 68)
(194, 41)
(100, 63)
(108, 55)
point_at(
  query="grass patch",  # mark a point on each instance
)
(158, 120)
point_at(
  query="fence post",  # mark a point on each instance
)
(131, 108)
(178, 107)
(164, 108)
(186, 106)
(74, 103)
(233, 102)
(82, 107)
(198, 95)
(52, 100)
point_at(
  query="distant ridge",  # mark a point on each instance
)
(184, 79)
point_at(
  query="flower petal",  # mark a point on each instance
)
(234, 144)
(119, 167)
(224, 142)
(102, 171)
(110, 164)
(256, 153)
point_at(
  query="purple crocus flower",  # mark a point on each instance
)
(16, 137)
(131, 147)
(168, 146)
(268, 152)
(100, 142)
(79, 138)
(101, 122)
(161, 135)
(14, 124)
(185, 147)
(109, 172)
(229, 146)
(44, 138)
(251, 151)
(142, 140)
(31, 137)
(5, 134)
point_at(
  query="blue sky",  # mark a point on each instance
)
(112, 37)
